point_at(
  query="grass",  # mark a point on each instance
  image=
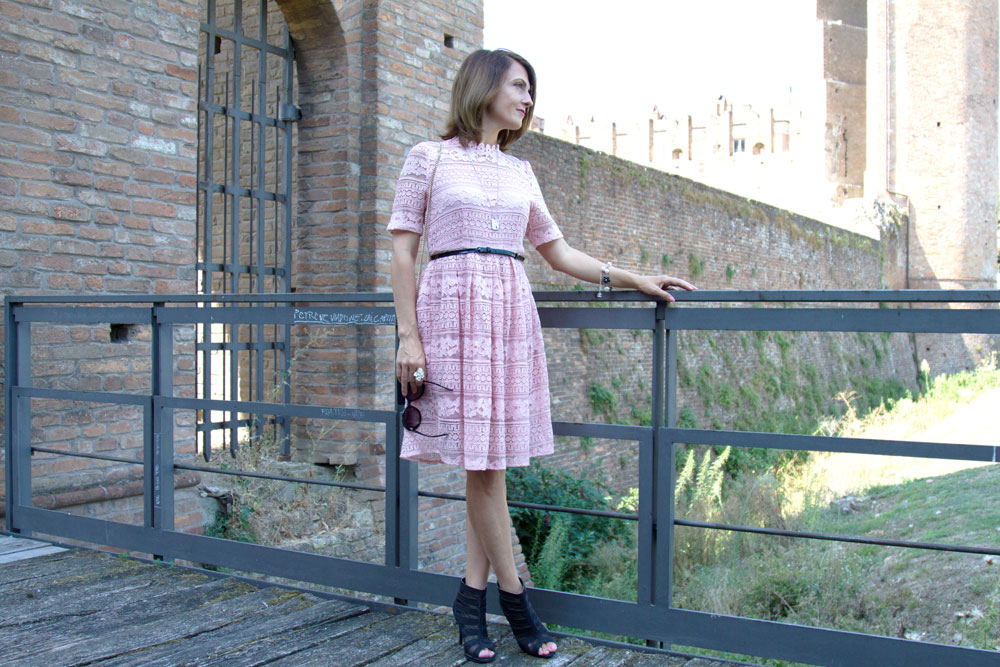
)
(919, 594)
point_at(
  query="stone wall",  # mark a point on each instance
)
(933, 81)
(844, 35)
(652, 222)
(97, 177)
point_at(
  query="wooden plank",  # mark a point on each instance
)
(142, 635)
(292, 641)
(29, 553)
(10, 544)
(44, 567)
(438, 647)
(602, 656)
(262, 633)
(57, 628)
(86, 607)
(386, 636)
(73, 591)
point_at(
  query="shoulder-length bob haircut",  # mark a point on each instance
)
(476, 84)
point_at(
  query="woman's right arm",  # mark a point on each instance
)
(410, 355)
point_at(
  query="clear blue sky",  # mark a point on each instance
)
(618, 59)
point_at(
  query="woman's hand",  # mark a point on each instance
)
(658, 285)
(409, 357)
(563, 257)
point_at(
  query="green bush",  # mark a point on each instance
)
(556, 542)
(549, 569)
(233, 525)
(686, 418)
(602, 401)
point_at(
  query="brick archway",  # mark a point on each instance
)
(374, 78)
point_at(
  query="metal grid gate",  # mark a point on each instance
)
(246, 118)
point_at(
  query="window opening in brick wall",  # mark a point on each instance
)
(122, 333)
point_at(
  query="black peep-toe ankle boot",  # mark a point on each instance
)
(530, 633)
(470, 614)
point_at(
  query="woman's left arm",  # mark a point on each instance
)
(563, 257)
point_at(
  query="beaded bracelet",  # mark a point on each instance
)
(605, 284)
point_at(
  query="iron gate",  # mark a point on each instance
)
(246, 120)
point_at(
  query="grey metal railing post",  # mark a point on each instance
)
(649, 576)
(646, 593)
(666, 473)
(401, 507)
(160, 452)
(17, 426)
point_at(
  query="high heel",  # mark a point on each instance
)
(470, 614)
(530, 633)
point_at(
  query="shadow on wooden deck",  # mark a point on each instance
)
(83, 607)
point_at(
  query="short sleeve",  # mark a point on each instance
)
(411, 189)
(542, 227)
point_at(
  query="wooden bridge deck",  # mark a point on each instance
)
(83, 607)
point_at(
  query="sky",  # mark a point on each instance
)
(618, 59)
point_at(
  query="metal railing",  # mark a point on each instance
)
(653, 615)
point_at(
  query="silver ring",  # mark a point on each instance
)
(418, 375)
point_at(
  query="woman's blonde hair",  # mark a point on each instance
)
(476, 84)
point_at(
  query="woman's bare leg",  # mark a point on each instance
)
(477, 564)
(488, 519)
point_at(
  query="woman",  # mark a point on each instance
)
(471, 362)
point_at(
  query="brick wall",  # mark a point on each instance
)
(652, 222)
(97, 169)
(938, 151)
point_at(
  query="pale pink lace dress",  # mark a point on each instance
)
(475, 313)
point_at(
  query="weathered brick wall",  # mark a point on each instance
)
(97, 175)
(844, 35)
(933, 150)
(652, 222)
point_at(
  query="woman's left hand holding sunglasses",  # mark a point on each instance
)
(410, 358)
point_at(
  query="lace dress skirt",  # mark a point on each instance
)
(482, 339)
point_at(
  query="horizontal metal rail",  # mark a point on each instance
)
(279, 478)
(838, 538)
(80, 455)
(539, 506)
(711, 296)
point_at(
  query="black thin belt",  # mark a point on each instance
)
(485, 251)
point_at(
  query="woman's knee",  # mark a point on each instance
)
(486, 481)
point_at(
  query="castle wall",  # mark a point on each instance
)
(934, 69)
(651, 222)
(845, 44)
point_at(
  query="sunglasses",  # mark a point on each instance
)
(411, 415)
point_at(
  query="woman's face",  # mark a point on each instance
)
(510, 105)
